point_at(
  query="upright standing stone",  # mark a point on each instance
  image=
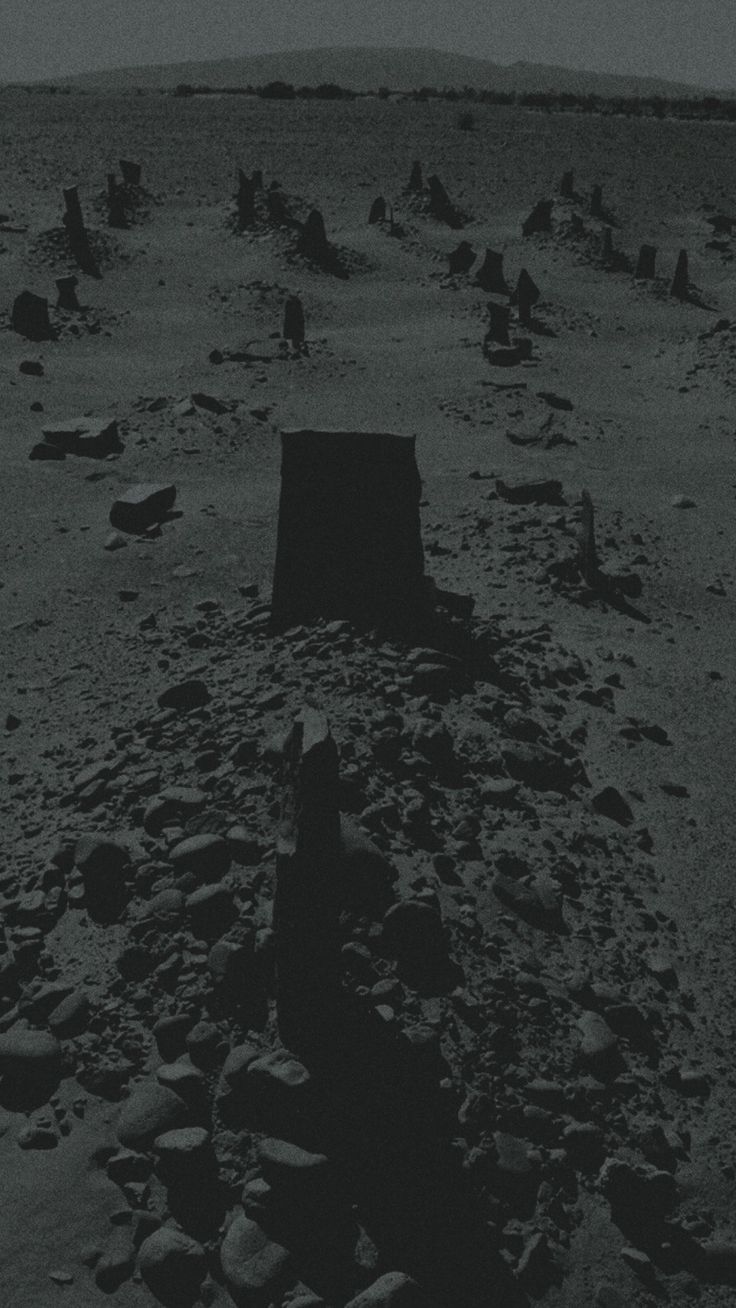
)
(498, 327)
(313, 243)
(462, 259)
(116, 215)
(646, 266)
(306, 901)
(293, 329)
(596, 202)
(681, 281)
(567, 185)
(67, 298)
(440, 205)
(525, 297)
(540, 218)
(377, 211)
(30, 317)
(131, 172)
(77, 232)
(246, 202)
(490, 274)
(416, 181)
(278, 214)
(587, 553)
(349, 540)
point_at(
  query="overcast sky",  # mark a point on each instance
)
(683, 40)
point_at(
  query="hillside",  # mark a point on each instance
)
(367, 69)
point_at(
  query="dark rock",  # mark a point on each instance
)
(646, 266)
(205, 857)
(540, 218)
(490, 276)
(641, 1198)
(177, 803)
(211, 910)
(610, 803)
(541, 768)
(92, 438)
(313, 243)
(184, 1157)
(185, 696)
(392, 1290)
(366, 874)
(67, 297)
(414, 935)
(525, 296)
(531, 492)
(104, 865)
(681, 281)
(170, 1035)
(43, 452)
(205, 1046)
(30, 317)
(142, 506)
(599, 1046)
(30, 1061)
(349, 540)
(70, 1017)
(31, 368)
(150, 1111)
(462, 259)
(173, 1266)
(254, 1267)
(377, 211)
(131, 172)
(498, 327)
(440, 205)
(293, 329)
(117, 1261)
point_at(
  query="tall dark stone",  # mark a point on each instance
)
(77, 232)
(462, 259)
(246, 202)
(131, 172)
(306, 900)
(313, 243)
(681, 281)
(293, 329)
(587, 553)
(525, 297)
(67, 298)
(596, 202)
(607, 245)
(540, 218)
(490, 274)
(416, 181)
(567, 185)
(30, 317)
(646, 266)
(440, 205)
(278, 214)
(349, 538)
(498, 327)
(377, 211)
(116, 215)
(257, 179)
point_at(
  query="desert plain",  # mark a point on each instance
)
(538, 836)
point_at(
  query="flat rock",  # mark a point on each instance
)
(91, 437)
(206, 856)
(142, 506)
(29, 1057)
(184, 696)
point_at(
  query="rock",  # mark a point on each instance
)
(531, 492)
(303, 1176)
(211, 910)
(185, 1080)
(70, 1017)
(205, 857)
(43, 452)
(185, 696)
(117, 1261)
(683, 502)
(114, 541)
(230, 964)
(599, 1045)
(393, 1290)
(30, 317)
(349, 539)
(252, 1264)
(204, 1045)
(641, 1197)
(533, 901)
(170, 1034)
(367, 875)
(185, 1157)
(31, 368)
(92, 438)
(35, 1136)
(414, 935)
(542, 768)
(142, 506)
(236, 1067)
(209, 402)
(610, 803)
(177, 803)
(173, 1266)
(104, 864)
(30, 1061)
(718, 1261)
(462, 259)
(606, 1296)
(150, 1111)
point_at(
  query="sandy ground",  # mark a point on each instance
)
(92, 636)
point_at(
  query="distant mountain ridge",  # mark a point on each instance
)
(369, 68)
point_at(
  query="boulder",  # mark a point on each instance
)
(30, 317)
(30, 1061)
(173, 1266)
(142, 506)
(151, 1110)
(206, 857)
(92, 438)
(184, 697)
(252, 1264)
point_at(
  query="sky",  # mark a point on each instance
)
(681, 40)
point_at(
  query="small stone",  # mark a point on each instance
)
(610, 803)
(88, 437)
(599, 1045)
(206, 857)
(43, 452)
(393, 1290)
(117, 1261)
(114, 541)
(683, 502)
(185, 696)
(61, 1278)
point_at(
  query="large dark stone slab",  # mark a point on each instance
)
(349, 539)
(30, 317)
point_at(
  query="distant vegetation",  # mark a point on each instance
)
(707, 108)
